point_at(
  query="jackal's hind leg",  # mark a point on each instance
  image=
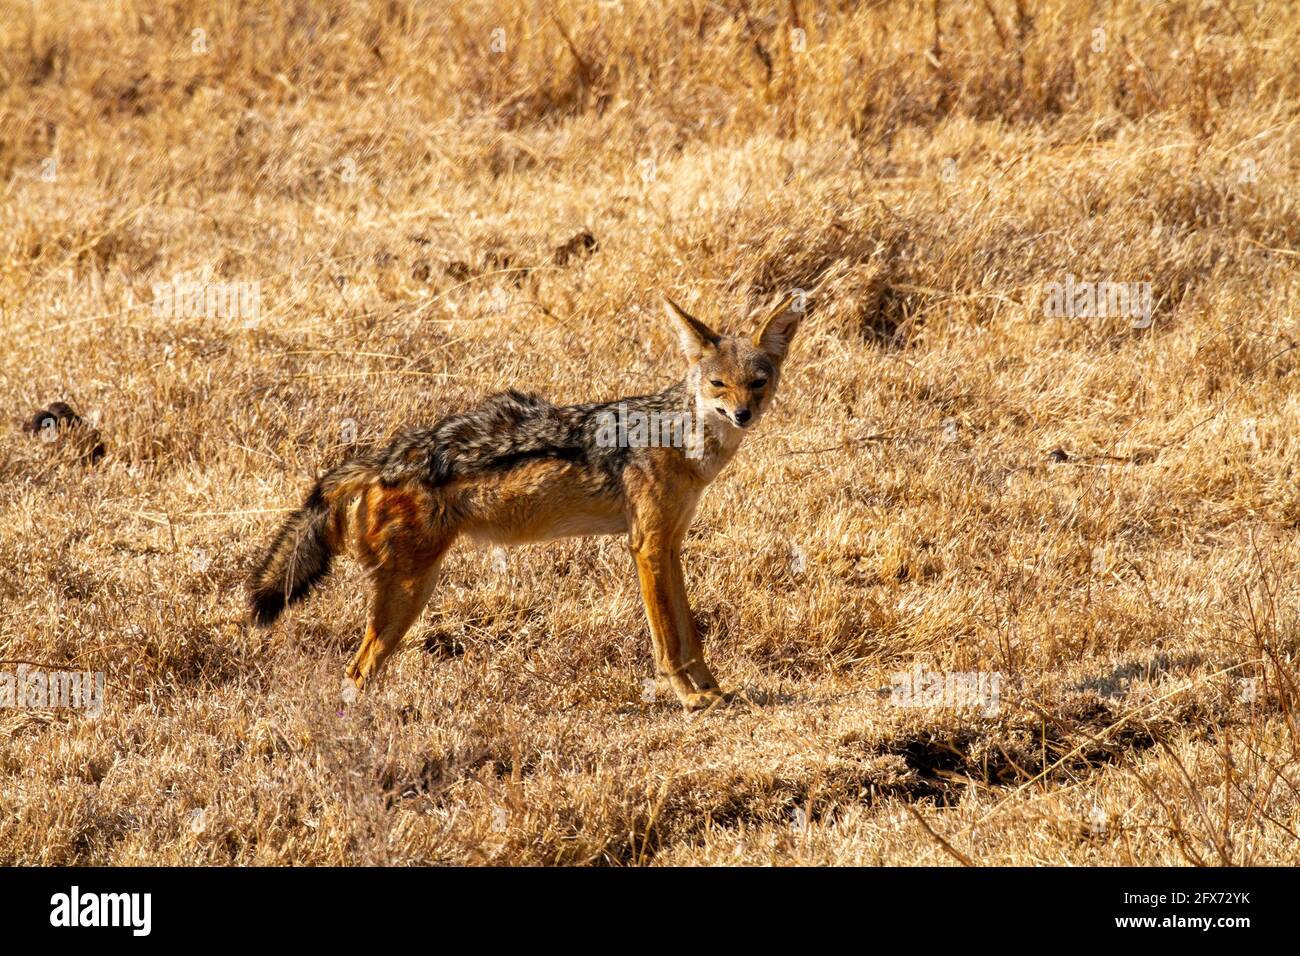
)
(398, 599)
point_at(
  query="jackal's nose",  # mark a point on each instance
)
(743, 415)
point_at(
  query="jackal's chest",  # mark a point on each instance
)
(708, 451)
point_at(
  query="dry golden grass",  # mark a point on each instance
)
(397, 177)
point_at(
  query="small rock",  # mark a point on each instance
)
(584, 243)
(58, 420)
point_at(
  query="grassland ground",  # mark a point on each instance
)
(393, 208)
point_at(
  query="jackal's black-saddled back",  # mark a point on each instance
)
(512, 427)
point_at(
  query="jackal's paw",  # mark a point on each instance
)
(704, 700)
(350, 689)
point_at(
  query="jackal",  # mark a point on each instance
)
(516, 469)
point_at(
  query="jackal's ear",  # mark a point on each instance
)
(696, 338)
(774, 335)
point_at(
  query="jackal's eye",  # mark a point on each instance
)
(716, 384)
(758, 383)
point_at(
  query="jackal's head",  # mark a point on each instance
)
(734, 378)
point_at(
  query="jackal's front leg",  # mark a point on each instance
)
(678, 654)
(692, 649)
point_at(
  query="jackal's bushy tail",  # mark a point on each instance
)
(303, 549)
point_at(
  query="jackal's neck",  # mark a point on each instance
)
(704, 440)
(711, 442)
(678, 396)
